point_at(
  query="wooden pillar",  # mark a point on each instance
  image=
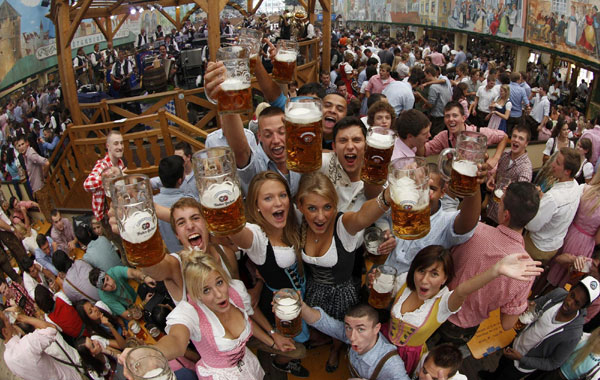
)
(213, 10)
(109, 29)
(65, 62)
(326, 55)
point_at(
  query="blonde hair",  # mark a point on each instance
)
(592, 193)
(196, 267)
(318, 184)
(506, 91)
(592, 345)
(290, 231)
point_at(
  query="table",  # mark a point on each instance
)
(42, 227)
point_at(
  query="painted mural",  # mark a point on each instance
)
(567, 26)
(27, 37)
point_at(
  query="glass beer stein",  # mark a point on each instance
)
(219, 188)
(304, 134)
(284, 64)
(286, 306)
(107, 176)
(236, 94)
(380, 294)
(470, 150)
(251, 39)
(373, 238)
(136, 219)
(500, 188)
(378, 152)
(408, 179)
(148, 363)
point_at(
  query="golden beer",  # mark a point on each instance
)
(498, 194)
(235, 97)
(304, 134)
(284, 66)
(378, 152)
(253, 61)
(145, 253)
(287, 306)
(463, 178)
(380, 294)
(223, 209)
(380, 300)
(410, 224)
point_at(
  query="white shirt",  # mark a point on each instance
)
(551, 92)
(540, 109)
(351, 195)
(29, 283)
(284, 256)
(557, 210)
(400, 96)
(29, 242)
(310, 31)
(330, 258)
(486, 97)
(548, 150)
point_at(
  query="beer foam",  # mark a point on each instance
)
(286, 56)
(384, 283)
(220, 195)
(153, 373)
(139, 227)
(286, 309)
(379, 141)
(466, 168)
(498, 193)
(404, 191)
(302, 115)
(234, 84)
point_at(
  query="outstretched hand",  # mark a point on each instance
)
(519, 266)
(214, 76)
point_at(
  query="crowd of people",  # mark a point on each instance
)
(210, 299)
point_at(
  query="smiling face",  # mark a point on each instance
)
(361, 332)
(349, 147)
(109, 284)
(273, 203)
(518, 142)
(429, 281)
(22, 146)
(318, 212)
(454, 120)
(92, 311)
(215, 293)
(93, 346)
(114, 145)
(271, 134)
(190, 227)
(334, 109)
(576, 300)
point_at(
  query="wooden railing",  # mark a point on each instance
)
(142, 152)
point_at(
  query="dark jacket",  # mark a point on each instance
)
(557, 345)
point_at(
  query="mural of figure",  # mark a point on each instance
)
(503, 20)
(495, 24)
(480, 22)
(572, 28)
(560, 30)
(597, 28)
(588, 37)
(512, 18)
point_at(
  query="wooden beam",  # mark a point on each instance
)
(326, 55)
(120, 24)
(311, 11)
(171, 20)
(74, 24)
(256, 7)
(303, 4)
(102, 28)
(178, 16)
(189, 14)
(109, 29)
(214, 27)
(249, 5)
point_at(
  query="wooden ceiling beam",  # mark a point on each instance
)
(98, 22)
(75, 22)
(168, 17)
(253, 12)
(189, 14)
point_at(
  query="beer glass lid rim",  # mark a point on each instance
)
(125, 180)
(131, 360)
(419, 160)
(376, 128)
(213, 152)
(305, 99)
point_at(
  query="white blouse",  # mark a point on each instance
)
(329, 259)
(418, 317)
(284, 256)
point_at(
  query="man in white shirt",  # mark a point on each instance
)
(554, 92)
(484, 97)
(538, 117)
(558, 206)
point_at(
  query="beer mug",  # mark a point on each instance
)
(284, 64)
(251, 40)
(136, 219)
(408, 179)
(500, 188)
(380, 294)
(303, 134)
(373, 237)
(236, 94)
(148, 363)
(219, 188)
(286, 306)
(232, 52)
(378, 152)
(470, 150)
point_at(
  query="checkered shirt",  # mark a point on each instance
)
(93, 184)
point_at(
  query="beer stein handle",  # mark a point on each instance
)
(443, 162)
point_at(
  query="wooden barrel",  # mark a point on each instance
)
(155, 79)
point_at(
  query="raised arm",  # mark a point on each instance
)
(269, 87)
(370, 211)
(470, 210)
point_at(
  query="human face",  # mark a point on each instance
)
(163, 50)
(518, 142)
(215, 293)
(502, 93)
(362, 333)
(454, 120)
(491, 81)
(318, 212)
(564, 131)
(343, 91)
(109, 284)
(422, 137)
(93, 346)
(558, 166)
(581, 150)
(429, 281)
(384, 74)
(575, 300)
(187, 160)
(57, 222)
(271, 134)
(325, 80)
(349, 147)
(273, 203)
(430, 371)
(190, 227)
(92, 311)
(114, 144)
(22, 146)
(4, 289)
(46, 248)
(34, 271)
(334, 109)
(382, 119)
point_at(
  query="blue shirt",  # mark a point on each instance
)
(44, 259)
(582, 369)
(527, 88)
(517, 98)
(365, 364)
(361, 78)
(49, 147)
(101, 253)
(167, 197)
(188, 186)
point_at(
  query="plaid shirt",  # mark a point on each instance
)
(17, 292)
(519, 170)
(93, 184)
